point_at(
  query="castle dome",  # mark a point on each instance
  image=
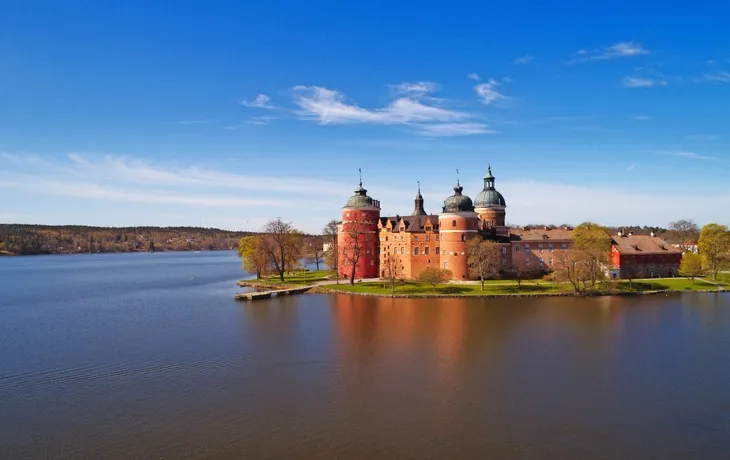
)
(458, 202)
(359, 199)
(489, 197)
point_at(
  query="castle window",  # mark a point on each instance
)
(402, 251)
(428, 229)
(446, 265)
(425, 251)
(453, 223)
(527, 247)
(386, 238)
(463, 237)
(565, 246)
(437, 237)
(438, 251)
(428, 237)
(415, 251)
(504, 249)
(517, 248)
(504, 261)
(550, 261)
(539, 247)
(550, 247)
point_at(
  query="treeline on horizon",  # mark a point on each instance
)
(29, 239)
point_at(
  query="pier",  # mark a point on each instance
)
(272, 293)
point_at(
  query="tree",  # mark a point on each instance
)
(575, 267)
(483, 258)
(313, 250)
(330, 237)
(296, 251)
(685, 230)
(521, 269)
(593, 244)
(391, 270)
(714, 246)
(434, 276)
(691, 266)
(280, 242)
(255, 259)
(151, 246)
(360, 239)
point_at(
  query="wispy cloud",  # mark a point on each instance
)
(260, 120)
(426, 114)
(416, 89)
(690, 155)
(702, 137)
(642, 82)
(261, 101)
(526, 59)
(642, 117)
(717, 77)
(473, 76)
(615, 51)
(488, 92)
(454, 129)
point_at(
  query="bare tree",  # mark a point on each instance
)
(314, 251)
(391, 270)
(330, 237)
(282, 244)
(484, 259)
(434, 276)
(574, 267)
(685, 230)
(360, 239)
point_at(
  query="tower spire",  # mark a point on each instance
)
(418, 208)
(457, 178)
(419, 187)
(360, 171)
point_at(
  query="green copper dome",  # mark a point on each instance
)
(360, 199)
(489, 196)
(458, 202)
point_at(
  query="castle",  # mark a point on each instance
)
(406, 245)
(421, 240)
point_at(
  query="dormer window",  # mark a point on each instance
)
(428, 229)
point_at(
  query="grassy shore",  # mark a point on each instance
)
(532, 287)
(297, 278)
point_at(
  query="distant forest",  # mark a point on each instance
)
(18, 239)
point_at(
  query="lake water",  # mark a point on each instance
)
(143, 356)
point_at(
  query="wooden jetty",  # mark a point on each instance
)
(269, 294)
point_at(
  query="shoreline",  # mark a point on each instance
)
(320, 290)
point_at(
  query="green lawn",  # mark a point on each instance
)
(664, 284)
(298, 278)
(492, 287)
(500, 287)
(722, 278)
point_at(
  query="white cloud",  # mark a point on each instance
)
(526, 59)
(473, 76)
(642, 117)
(690, 155)
(416, 89)
(488, 92)
(642, 82)
(261, 101)
(454, 129)
(330, 107)
(615, 51)
(718, 77)
(702, 137)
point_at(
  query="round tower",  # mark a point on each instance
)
(357, 238)
(490, 204)
(458, 223)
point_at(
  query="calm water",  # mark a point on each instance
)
(147, 356)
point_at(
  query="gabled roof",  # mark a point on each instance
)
(411, 223)
(540, 235)
(643, 244)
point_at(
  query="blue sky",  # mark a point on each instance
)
(228, 114)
